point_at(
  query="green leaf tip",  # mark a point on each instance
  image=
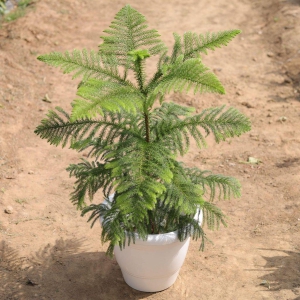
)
(139, 54)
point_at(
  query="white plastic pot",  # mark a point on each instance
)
(153, 265)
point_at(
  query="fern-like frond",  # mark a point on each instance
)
(182, 76)
(213, 217)
(81, 134)
(113, 224)
(215, 185)
(90, 178)
(102, 95)
(163, 119)
(129, 32)
(195, 44)
(181, 193)
(58, 129)
(177, 48)
(222, 124)
(189, 227)
(117, 228)
(170, 111)
(176, 132)
(85, 64)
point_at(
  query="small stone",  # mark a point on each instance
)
(238, 93)
(269, 115)
(254, 59)
(8, 210)
(253, 160)
(282, 119)
(10, 86)
(270, 122)
(287, 80)
(217, 69)
(259, 32)
(39, 37)
(270, 54)
(30, 282)
(254, 136)
(248, 105)
(46, 99)
(30, 172)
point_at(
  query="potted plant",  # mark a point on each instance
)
(153, 202)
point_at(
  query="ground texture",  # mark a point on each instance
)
(47, 251)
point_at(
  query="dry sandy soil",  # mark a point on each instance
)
(47, 251)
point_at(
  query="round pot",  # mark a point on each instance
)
(153, 265)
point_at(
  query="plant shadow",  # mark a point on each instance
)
(284, 271)
(62, 271)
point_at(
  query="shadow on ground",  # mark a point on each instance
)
(284, 271)
(62, 271)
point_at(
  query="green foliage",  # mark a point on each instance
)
(133, 142)
(2, 7)
(17, 12)
(129, 32)
(193, 43)
(184, 75)
(111, 96)
(86, 64)
(24, 3)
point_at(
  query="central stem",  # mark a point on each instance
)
(139, 74)
(147, 127)
(140, 80)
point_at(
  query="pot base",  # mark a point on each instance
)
(149, 284)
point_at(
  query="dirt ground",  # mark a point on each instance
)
(47, 251)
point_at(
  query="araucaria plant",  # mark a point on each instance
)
(134, 135)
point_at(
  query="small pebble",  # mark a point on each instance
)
(30, 172)
(270, 54)
(253, 160)
(282, 119)
(269, 115)
(287, 80)
(248, 105)
(8, 210)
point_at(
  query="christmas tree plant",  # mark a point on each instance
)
(134, 135)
